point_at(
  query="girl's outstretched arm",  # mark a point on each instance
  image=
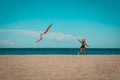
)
(79, 40)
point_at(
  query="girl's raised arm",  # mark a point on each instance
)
(79, 40)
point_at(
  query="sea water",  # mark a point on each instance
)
(58, 51)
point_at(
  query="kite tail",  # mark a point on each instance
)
(40, 38)
(37, 41)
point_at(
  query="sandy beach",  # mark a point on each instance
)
(59, 67)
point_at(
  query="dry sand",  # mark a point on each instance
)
(59, 67)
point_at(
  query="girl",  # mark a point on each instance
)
(83, 46)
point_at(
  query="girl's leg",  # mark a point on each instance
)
(84, 51)
(80, 51)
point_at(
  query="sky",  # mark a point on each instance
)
(96, 21)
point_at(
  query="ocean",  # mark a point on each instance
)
(58, 51)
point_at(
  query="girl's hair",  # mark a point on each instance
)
(83, 40)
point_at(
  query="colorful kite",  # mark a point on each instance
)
(48, 28)
(44, 33)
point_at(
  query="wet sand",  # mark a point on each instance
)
(59, 67)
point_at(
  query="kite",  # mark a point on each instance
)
(48, 28)
(44, 33)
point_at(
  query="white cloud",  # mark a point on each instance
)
(60, 36)
(24, 32)
(5, 42)
(51, 35)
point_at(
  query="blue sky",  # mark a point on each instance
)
(21, 21)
